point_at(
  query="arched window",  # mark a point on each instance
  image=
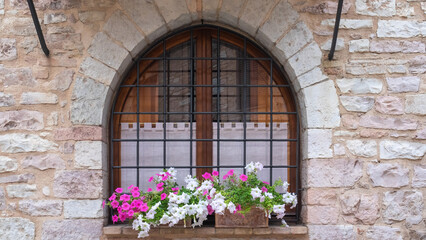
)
(199, 100)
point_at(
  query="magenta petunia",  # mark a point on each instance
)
(225, 176)
(130, 213)
(114, 218)
(230, 172)
(130, 187)
(267, 183)
(119, 190)
(103, 204)
(136, 194)
(149, 189)
(144, 207)
(207, 175)
(122, 217)
(163, 196)
(215, 173)
(264, 189)
(114, 204)
(175, 189)
(150, 179)
(210, 209)
(135, 189)
(238, 208)
(126, 206)
(113, 197)
(160, 189)
(160, 184)
(125, 197)
(243, 177)
(164, 178)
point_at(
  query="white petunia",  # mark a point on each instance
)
(256, 192)
(231, 207)
(258, 166)
(285, 186)
(269, 195)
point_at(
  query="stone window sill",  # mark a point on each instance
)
(125, 231)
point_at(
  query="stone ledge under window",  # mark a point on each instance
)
(125, 231)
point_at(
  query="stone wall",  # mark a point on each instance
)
(363, 113)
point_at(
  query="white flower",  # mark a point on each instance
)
(258, 166)
(218, 206)
(250, 167)
(256, 192)
(231, 207)
(136, 224)
(150, 214)
(285, 186)
(165, 219)
(262, 198)
(219, 197)
(279, 209)
(212, 192)
(269, 195)
(172, 172)
(143, 234)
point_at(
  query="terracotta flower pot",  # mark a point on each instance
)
(254, 218)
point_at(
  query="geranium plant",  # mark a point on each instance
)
(169, 203)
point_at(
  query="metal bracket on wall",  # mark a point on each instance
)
(336, 30)
(38, 28)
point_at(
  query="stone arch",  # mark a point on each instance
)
(136, 24)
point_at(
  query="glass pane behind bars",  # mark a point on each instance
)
(241, 114)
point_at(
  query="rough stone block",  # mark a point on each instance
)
(360, 208)
(365, 148)
(21, 178)
(78, 133)
(383, 232)
(403, 84)
(43, 162)
(333, 172)
(62, 80)
(21, 190)
(398, 29)
(327, 232)
(401, 149)
(72, 229)
(6, 100)
(83, 209)
(314, 76)
(17, 26)
(50, 18)
(321, 215)
(340, 45)
(20, 142)
(32, 98)
(8, 164)
(253, 14)
(293, 41)
(17, 76)
(319, 143)
(419, 177)
(306, 59)
(16, 228)
(415, 104)
(78, 184)
(360, 45)
(320, 196)
(91, 16)
(328, 7)
(21, 120)
(388, 175)
(97, 71)
(8, 49)
(403, 205)
(384, 8)
(417, 64)
(229, 11)
(89, 154)
(387, 123)
(360, 85)
(41, 207)
(349, 23)
(357, 104)
(389, 105)
(175, 13)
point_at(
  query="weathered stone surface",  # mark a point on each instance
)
(320, 196)
(333, 172)
(20, 142)
(17, 76)
(388, 175)
(293, 41)
(8, 49)
(273, 27)
(403, 84)
(89, 154)
(52, 119)
(8, 164)
(120, 28)
(21, 120)
(321, 215)
(16, 228)
(62, 80)
(50, 18)
(417, 64)
(396, 68)
(360, 85)
(6, 100)
(418, 234)
(306, 59)
(345, 134)
(419, 177)
(340, 45)
(363, 148)
(319, 143)
(403, 205)
(314, 76)
(398, 29)
(209, 11)
(31, 98)
(229, 11)
(72, 229)
(91, 16)
(350, 121)
(339, 149)
(106, 51)
(255, 11)
(175, 13)
(41, 207)
(357, 104)
(387, 123)
(2, 199)
(393, 46)
(360, 208)
(21, 190)
(385, 8)
(322, 105)
(78, 184)
(1, 7)
(151, 22)
(83, 209)
(401, 149)
(43, 162)
(67, 148)
(327, 232)
(383, 232)
(389, 105)
(360, 45)
(404, 9)
(97, 70)
(369, 133)
(328, 7)
(421, 134)
(22, 178)
(17, 26)
(364, 68)
(415, 104)
(349, 23)
(78, 133)
(88, 102)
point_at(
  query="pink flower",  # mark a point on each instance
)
(149, 189)
(119, 209)
(243, 177)
(114, 204)
(113, 197)
(205, 192)
(210, 209)
(175, 193)
(207, 175)
(264, 189)
(164, 178)
(135, 189)
(238, 208)
(137, 204)
(130, 213)
(150, 179)
(114, 218)
(208, 197)
(130, 187)
(119, 190)
(230, 172)
(266, 183)
(160, 189)
(160, 184)
(225, 176)
(103, 204)
(163, 196)
(124, 197)
(122, 217)
(144, 207)
(126, 206)
(136, 194)
(215, 173)
(175, 189)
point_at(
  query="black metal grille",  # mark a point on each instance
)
(165, 113)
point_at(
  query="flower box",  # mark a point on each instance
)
(254, 218)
